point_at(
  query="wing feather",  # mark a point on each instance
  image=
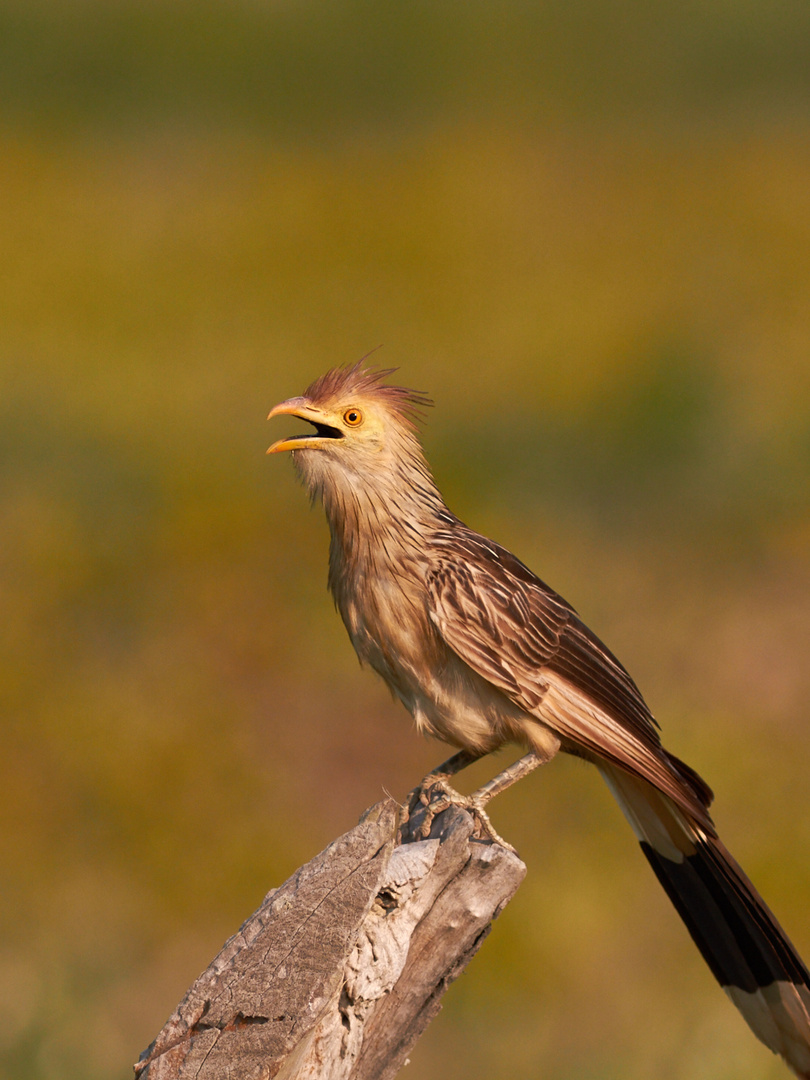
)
(519, 634)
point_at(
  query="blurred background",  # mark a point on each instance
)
(584, 228)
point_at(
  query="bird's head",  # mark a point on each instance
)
(363, 429)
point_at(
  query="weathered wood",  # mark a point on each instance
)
(342, 967)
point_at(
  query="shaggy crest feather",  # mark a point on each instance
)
(341, 383)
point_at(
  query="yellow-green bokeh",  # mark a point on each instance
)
(585, 230)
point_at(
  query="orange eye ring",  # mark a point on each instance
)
(353, 417)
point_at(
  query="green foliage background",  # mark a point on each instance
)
(585, 229)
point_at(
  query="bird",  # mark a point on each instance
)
(483, 653)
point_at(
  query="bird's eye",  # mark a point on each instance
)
(353, 417)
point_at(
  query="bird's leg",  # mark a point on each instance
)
(435, 794)
(516, 771)
(455, 764)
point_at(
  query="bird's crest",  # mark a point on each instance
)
(342, 383)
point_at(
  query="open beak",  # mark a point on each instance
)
(301, 407)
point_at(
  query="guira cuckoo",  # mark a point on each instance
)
(482, 653)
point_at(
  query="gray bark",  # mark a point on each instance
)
(342, 968)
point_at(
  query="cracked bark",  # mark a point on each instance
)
(341, 969)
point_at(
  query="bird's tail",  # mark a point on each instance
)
(741, 941)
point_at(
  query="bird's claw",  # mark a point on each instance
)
(434, 795)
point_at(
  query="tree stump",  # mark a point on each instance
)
(341, 969)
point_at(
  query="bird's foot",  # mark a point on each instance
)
(434, 795)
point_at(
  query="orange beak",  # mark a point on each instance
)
(301, 407)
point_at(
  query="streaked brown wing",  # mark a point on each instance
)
(523, 637)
